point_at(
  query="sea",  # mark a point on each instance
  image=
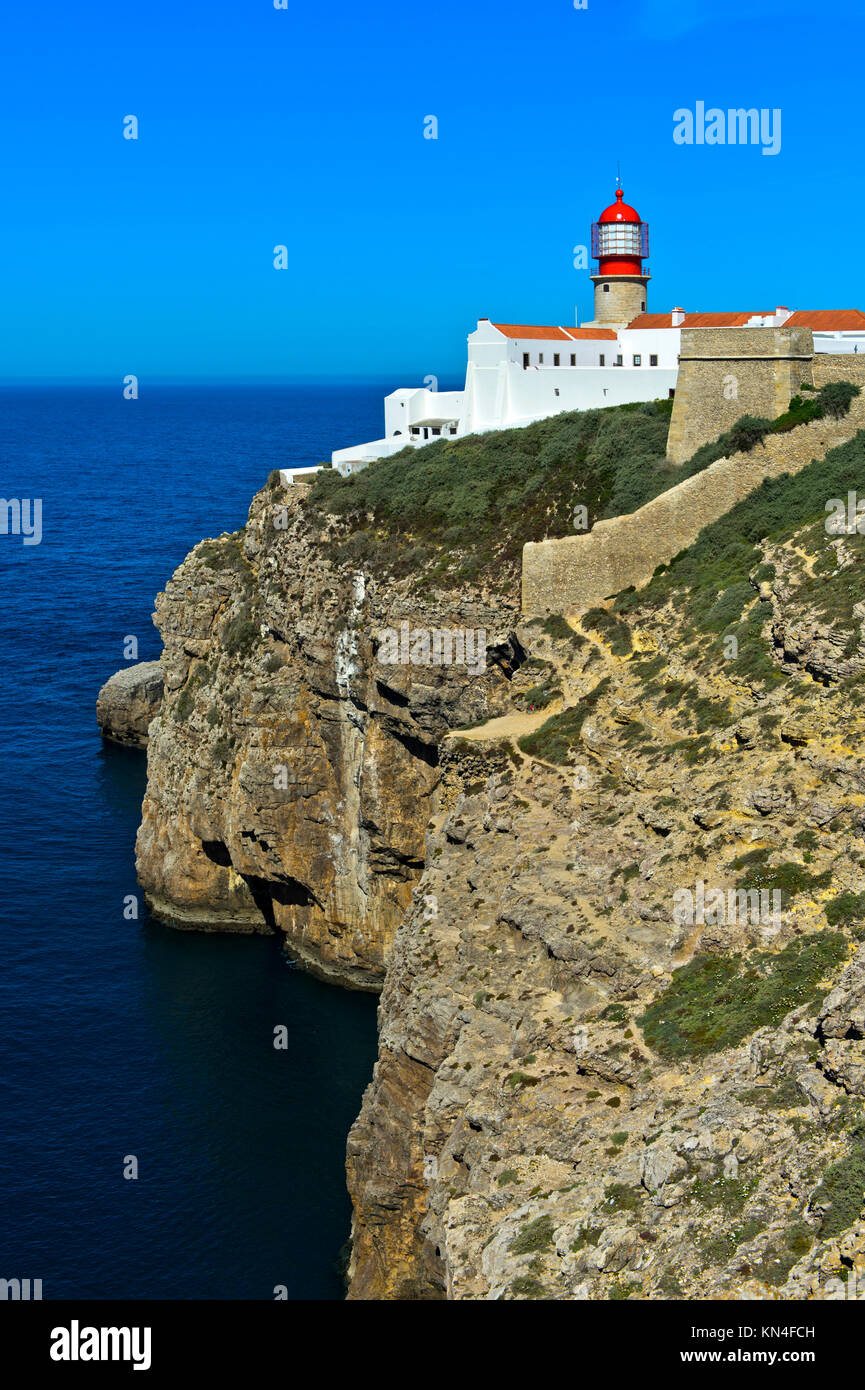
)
(154, 1144)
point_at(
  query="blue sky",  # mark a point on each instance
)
(304, 127)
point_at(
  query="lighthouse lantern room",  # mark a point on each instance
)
(620, 244)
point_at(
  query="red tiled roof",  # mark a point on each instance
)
(827, 320)
(529, 330)
(726, 320)
(578, 333)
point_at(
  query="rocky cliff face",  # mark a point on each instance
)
(599, 1075)
(586, 1089)
(289, 771)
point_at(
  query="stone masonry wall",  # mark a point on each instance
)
(622, 302)
(725, 373)
(575, 573)
(839, 366)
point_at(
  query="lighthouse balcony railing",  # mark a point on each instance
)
(596, 270)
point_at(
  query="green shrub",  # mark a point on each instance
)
(715, 1002)
(789, 879)
(473, 502)
(783, 1253)
(184, 704)
(240, 635)
(560, 630)
(840, 1194)
(223, 750)
(721, 1248)
(620, 1197)
(728, 606)
(554, 740)
(836, 397)
(607, 625)
(588, 1235)
(527, 1286)
(846, 908)
(535, 1237)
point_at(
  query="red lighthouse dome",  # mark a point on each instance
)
(620, 240)
(619, 211)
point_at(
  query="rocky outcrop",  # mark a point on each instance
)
(550, 1117)
(129, 702)
(290, 770)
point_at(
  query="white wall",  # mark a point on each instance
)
(665, 342)
(408, 406)
(531, 395)
(839, 342)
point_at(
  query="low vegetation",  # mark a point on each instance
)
(553, 741)
(716, 1001)
(458, 507)
(715, 581)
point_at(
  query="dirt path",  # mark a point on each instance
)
(511, 726)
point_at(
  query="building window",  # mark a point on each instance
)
(573, 359)
(606, 289)
(436, 429)
(643, 306)
(452, 429)
(638, 360)
(540, 359)
(557, 361)
(525, 360)
(602, 360)
(415, 429)
(671, 393)
(618, 361)
(653, 359)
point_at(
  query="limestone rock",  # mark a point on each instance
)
(129, 702)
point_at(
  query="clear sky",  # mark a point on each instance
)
(305, 127)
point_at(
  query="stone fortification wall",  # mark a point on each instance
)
(725, 373)
(575, 573)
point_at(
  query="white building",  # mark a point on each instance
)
(518, 373)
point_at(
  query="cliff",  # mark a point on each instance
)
(289, 772)
(600, 1075)
(586, 1089)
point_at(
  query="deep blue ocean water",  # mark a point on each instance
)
(124, 1037)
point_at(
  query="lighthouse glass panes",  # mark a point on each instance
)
(619, 239)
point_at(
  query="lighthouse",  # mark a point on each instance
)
(620, 244)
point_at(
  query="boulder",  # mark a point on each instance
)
(128, 702)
